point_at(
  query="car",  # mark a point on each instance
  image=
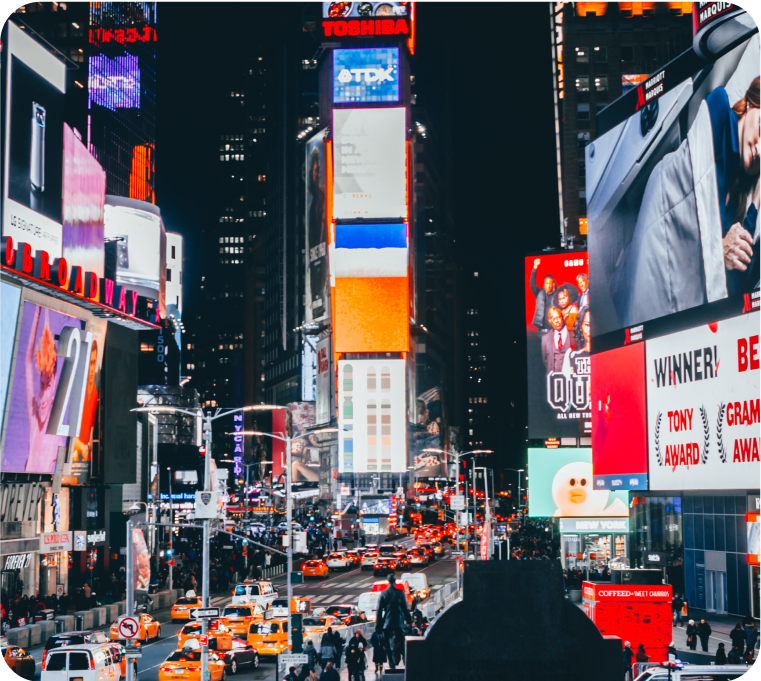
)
(722, 672)
(438, 548)
(355, 557)
(218, 631)
(269, 637)
(241, 654)
(418, 582)
(149, 630)
(238, 617)
(186, 664)
(401, 585)
(258, 591)
(368, 560)
(315, 627)
(418, 557)
(18, 659)
(348, 614)
(182, 607)
(315, 569)
(368, 604)
(119, 654)
(88, 662)
(338, 561)
(73, 638)
(428, 548)
(384, 566)
(402, 560)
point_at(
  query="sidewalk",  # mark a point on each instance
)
(721, 625)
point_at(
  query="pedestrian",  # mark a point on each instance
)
(671, 651)
(313, 676)
(628, 657)
(329, 674)
(721, 655)
(359, 663)
(327, 649)
(738, 637)
(692, 635)
(704, 632)
(641, 655)
(751, 633)
(311, 652)
(291, 675)
(379, 651)
(338, 642)
(676, 607)
(392, 613)
(735, 656)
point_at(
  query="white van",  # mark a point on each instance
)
(368, 604)
(723, 672)
(261, 592)
(88, 662)
(419, 582)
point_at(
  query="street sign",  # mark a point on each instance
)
(457, 553)
(204, 613)
(457, 502)
(292, 659)
(203, 639)
(128, 627)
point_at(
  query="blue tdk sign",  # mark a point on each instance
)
(368, 75)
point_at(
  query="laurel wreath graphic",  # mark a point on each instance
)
(706, 435)
(719, 437)
(658, 438)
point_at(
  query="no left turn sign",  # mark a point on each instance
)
(128, 627)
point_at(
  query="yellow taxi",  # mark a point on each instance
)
(149, 629)
(18, 659)
(315, 627)
(192, 632)
(316, 569)
(269, 637)
(181, 609)
(238, 617)
(186, 664)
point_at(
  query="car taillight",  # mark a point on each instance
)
(43, 661)
(193, 669)
(92, 663)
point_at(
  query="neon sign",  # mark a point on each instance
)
(146, 34)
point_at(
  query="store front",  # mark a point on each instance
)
(54, 556)
(603, 542)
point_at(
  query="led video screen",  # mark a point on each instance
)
(366, 75)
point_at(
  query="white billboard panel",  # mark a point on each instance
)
(703, 407)
(369, 163)
(372, 416)
(322, 388)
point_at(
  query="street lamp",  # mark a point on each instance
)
(518, 471)
(288, 507)
(206, 420)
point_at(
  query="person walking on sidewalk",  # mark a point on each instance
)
(642, 656)
(692, 635)
(379, 651)
(671, 650)
(676, 606)
(329, 674)
(704, 632)
(327, 649)
(392, 613)
(721, 655)
(737, 636)
(749, 625)
(628, 657)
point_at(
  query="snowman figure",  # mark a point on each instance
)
(574, 496)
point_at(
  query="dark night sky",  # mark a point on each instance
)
(483, 70)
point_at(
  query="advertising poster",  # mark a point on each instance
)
(372, 416)
(305, 447)
(10, 297)
(365, 9)
(366, 75)
(619, 421)
(82, 443)
(114, 83)
(369, 164)
(316, 282)
(142, 561)
(426, 433)
(84, 198)
(703, 406)
(560, 486)
(673, 195)
(36, 83)
(375, 505)
(324, 382)
(558, 344)
(38, 389)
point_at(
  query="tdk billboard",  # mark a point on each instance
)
(370, 75)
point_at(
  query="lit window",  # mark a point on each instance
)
(601, 83)
(582, 84)
(601, 55)
(582, 55)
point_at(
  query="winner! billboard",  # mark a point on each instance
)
(703, 407)
(557, 340)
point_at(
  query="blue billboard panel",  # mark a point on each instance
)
(115, 83)
(366, 75)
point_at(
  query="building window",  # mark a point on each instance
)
(582, 201)
(582, 55)
(168, 274)
(582, 139)
(627, 53)
(582, 112)
(601, 55)
(582, 84)
(582, 170)
(174, 252)
(601, 83)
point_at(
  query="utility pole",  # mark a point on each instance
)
(205, 676)
(130, 605)
(475, 506)
(289, 522)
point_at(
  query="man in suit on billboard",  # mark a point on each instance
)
(556, 342)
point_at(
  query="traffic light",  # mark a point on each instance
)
(441, 514)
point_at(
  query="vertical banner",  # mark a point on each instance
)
(316, 281)
(142, 561)
(323, 382)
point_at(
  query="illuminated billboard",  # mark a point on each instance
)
(10, 296)
(54, 392)
(619, 425)
(340, 10)
(84, 199)
(671, 208)
(317, 282)
(141, 246)
(703, 406)
(369, 164)
(366, 75)
(560, 486)
(558, 344)
(33, 162)
(368, 264)
(114, 83)
(372, 416)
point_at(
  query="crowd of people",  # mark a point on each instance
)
(533, 541)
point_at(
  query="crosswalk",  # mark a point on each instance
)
(329, 596)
